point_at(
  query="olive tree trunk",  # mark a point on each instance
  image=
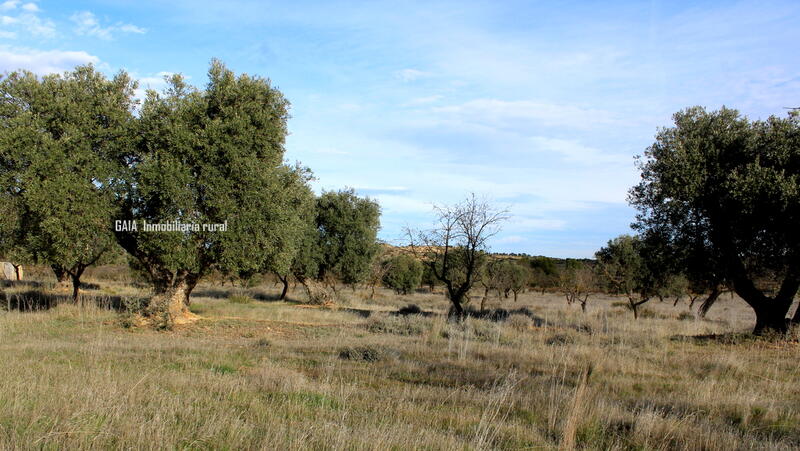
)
(170, 299)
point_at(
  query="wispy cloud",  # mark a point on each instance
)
(409, 75)
(24, 20)
(43, 62)
(87, 24)
(503, 112)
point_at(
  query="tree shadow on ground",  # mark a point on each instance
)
(496, 315)
(733, 338)
(34, 300)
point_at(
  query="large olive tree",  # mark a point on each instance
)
(726, 190)
(211, 156)
(61, 152)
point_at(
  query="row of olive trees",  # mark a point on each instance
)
(83, 167)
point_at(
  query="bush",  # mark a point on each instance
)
(240, 299)
(364, 353)
(685, 316)
(403, 273)
(519, 322)
(398, 325)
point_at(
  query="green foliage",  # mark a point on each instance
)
(61, 151)
(545, 265)
(214, 156)
(725, 192)
(348, 228)
(429, 279)
(240, 299)
(623, 266)
(403, 273)
(505, 276)
(513, 277)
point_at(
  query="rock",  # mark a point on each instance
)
(9, 271)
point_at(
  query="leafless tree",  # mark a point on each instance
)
(576, 284)
(455, 248)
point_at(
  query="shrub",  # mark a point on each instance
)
(519, 322)
(398, 325)
(364, 353)
(403, 274)
(240, 299)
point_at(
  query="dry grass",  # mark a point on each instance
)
(269, 374)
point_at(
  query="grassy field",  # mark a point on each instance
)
(258, 373)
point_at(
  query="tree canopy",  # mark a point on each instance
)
(61, 157)
(207, 157)
(725, 191)
(348, 228)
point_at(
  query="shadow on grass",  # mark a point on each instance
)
(496, 315)
(733, 338)
(29, 301)
(213, 293)
(20, 283)
(217, 293)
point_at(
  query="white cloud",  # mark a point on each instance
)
(510, 239)
(424, 100)
(392, 203)
(156, 82)
(26, 21)
(496, 111)
(9, 5)
(87, 24)
(409, 75)
(129, 28)
(575, 152)
(43, 62)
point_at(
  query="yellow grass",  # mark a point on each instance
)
(276, 375)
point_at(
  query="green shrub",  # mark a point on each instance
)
(403, 273)
(240, 299)
(364, 353)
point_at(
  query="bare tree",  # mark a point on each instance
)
(455, 248)
(576, 283)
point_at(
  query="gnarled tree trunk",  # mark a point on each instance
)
(62, 277)
(170, 301)
(771, 316)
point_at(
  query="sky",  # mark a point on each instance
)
(539, 107)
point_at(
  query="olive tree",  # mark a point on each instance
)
(212, 160)
(454, 249)
(630, 265)
(726, 190)
(61, 155)
(511, 278)
(348, 229)
(337, 241)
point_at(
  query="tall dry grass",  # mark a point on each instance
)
(269, 374)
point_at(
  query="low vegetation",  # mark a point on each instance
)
(255, 372)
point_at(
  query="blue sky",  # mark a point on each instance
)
(539, 106)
